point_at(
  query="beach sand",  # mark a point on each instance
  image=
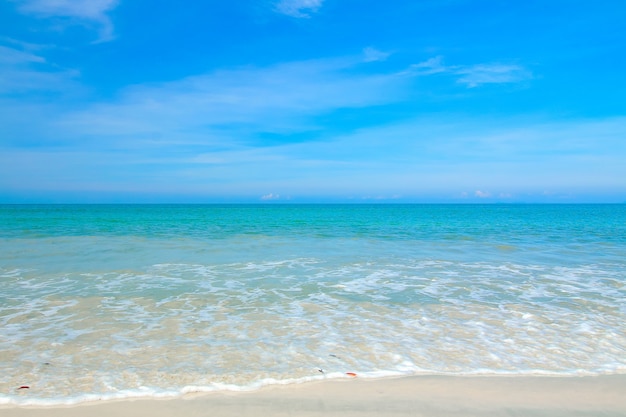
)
(408, 396)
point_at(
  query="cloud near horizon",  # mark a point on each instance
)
(507, 160)
(270, 196)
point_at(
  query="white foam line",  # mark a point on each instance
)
(147, 392)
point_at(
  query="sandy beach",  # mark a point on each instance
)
(414, 396)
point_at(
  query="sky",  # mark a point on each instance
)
(404, 101)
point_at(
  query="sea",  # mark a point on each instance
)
(103, 302)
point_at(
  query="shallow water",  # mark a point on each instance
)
(117, 301)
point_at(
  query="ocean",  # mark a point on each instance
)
(105, 302)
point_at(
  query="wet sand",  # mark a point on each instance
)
(436, 396)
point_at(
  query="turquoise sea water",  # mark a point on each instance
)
(115, 301)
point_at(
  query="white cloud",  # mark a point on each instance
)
(298, 8)
(26, 72)
(88, 9)
(482, 194)
(279, 99)
(270, 196)
(94, 11)
(430, 66)
(11, 56)
(276, 99)
(372, 54)
(472, 75)
(476, 75)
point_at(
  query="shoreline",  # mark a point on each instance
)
(398, 396)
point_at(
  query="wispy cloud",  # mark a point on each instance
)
(492, 157)
(372, 54)
(12, 56)
(430, 66)
(298, 8)
(24, 72)
(476, 75)
(75, 11)
(31, 92)
(276, 99)
(473, 75)
(280, 99)
(505, 159)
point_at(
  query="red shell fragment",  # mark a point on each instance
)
(24, 387)
(352, 374)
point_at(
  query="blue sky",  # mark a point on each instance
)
(312, 101)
